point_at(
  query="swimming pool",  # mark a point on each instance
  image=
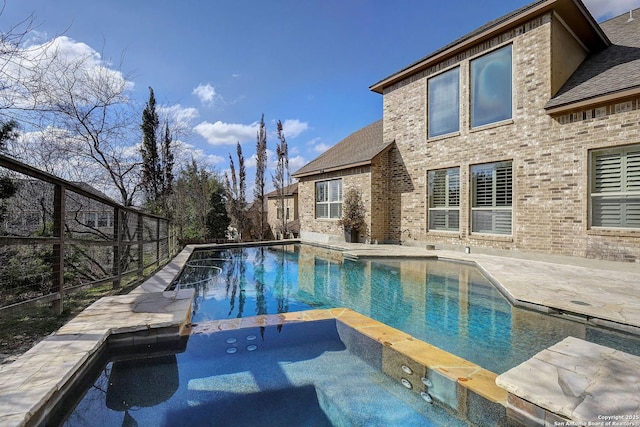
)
(300, 374)
(450, 305)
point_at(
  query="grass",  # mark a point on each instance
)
(21, 331)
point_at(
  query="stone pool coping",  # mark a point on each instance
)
(31, 385)
(575, 380)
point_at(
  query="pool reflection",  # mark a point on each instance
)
(450, 305)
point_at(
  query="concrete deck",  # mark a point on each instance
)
(603, 292)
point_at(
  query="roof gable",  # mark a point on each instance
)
(356, 149)
(611, 73)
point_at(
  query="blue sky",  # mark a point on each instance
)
(221, 64)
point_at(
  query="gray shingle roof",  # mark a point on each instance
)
(289, 190)
(358, 148)
(610, 71)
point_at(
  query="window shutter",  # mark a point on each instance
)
(335, 191)
(438, 188)
(483, 188)
(503, 185)
(321, 192)
(454, 187)
(608, 173)
(632, 212)
(336, 210)
(322, 211)
(633, 170)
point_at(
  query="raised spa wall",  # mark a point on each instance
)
(467, 390)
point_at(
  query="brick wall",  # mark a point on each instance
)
(328, 230)
(549, 154)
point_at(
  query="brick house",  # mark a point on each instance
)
(274, 214)
(522, 135)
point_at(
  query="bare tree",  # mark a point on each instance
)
(77, 110)
(282, 180)
(21, 67)
(235, 188)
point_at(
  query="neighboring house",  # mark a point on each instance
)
(30, 211)
(522, 135)
(274, 213)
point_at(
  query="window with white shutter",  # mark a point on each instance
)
(615, 187)
(329, 199)
(492, 195)
(444, 199)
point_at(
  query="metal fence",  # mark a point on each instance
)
(57, 236)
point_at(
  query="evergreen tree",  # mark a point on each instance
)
(150, 159)
(261, 164)
(167, 163)
(157, 159)
(217, 218)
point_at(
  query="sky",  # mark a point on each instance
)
(219, 65)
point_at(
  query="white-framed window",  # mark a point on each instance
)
(444, 199)
(105, 219)
(492, 196)
(329, 199)
(90, 219)
(615, 187)
(444, 103)
(492, 87)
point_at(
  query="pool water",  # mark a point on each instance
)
(450, 305)
(290, 375)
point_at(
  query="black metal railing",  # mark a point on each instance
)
(57, 236)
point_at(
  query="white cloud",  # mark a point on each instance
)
(293, 128)
(321, 147)
(296, 163)
(39, 73)
(206, 93)
(252, 161)
(604, 9)
(220, 133)
(185, 152)
(178, 113)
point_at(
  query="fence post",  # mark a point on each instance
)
(158, 241)
(117, 240)
(57, 264)
(140, 244)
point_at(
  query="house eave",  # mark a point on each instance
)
(593, 101)
(332, 169)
